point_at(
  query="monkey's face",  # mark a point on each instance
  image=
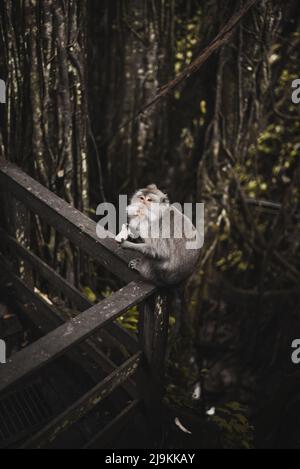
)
(148, 203)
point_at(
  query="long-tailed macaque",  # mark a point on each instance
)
(166, 235)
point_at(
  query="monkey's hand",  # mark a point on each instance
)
(134, 264)
(123, 235)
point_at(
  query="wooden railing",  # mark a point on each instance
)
(75, 337)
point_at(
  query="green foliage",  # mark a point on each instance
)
(91, 296)
(130, 320)
(187, 39)
(233, 423)
(233, 259)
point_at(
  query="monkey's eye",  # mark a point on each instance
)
(149, 199)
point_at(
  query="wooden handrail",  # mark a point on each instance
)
(46, 317)
(104, 436)
(59, 341)
(66, 219)
(63, 286)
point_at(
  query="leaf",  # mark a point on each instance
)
(89, 294)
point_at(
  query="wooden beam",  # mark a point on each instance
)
(153, 335)
(66, 219)
(66, 288)
(59, 341)
(108, 365)
(111, 431)
(85, 404)
(46, 318)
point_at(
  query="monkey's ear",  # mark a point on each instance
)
(152, 187)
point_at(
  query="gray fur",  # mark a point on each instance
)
(163, 260)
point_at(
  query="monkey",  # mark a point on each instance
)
(165, 257)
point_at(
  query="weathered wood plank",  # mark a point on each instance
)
(59, 341)
(107, 365)
(107, 435)
(85, 404)
(46, 318)
(71, 223)
(66, 288)
(153, 334)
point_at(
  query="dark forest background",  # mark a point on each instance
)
(77, 73)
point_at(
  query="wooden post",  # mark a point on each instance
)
(153, 336)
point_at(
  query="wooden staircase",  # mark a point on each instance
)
(64, 390)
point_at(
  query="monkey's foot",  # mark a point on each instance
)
(119, 239)
(134, 264)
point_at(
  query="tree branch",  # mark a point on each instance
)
(223, 36)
